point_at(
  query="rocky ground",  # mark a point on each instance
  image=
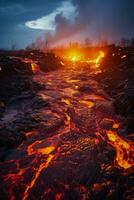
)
(117, 80)
(62, 139)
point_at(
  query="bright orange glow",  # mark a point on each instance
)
(74, 59)
(46, 150)
(116, 125)
(90, 104)
(34, 149)
(124, 150)
(34, 67)
(74, 56)
(73, 81)
(66, 101)
(68, 119)
(95, 62)
(99, 58)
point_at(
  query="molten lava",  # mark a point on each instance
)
(124, 149)
(100, 57)
(74, 59)
(72, 135)
(74, 56)
(32, 183)
(34, 67)
(90, 104)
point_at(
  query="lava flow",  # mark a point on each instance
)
(41, 167)
(70, 130)
(99, 58)
(124, 150)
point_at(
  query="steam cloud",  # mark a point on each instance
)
(106, 20)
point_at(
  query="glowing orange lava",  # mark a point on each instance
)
(95, 62)
(74, 59)
(124, 149)
(66, 101)
(73, 81)
(44, 150)
(32, 183)
(34, 67)
(35, 148)
(90, 104)
(68, 119)
(74, 56)
(99, 58)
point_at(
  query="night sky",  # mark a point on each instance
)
(60, 21)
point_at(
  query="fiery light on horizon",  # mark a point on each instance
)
(100, 57)
(73, 55)
(74, 59)
(76, 55)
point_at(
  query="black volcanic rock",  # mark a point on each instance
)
(11, 66)
(50, 62)
(15, 77)
(117, 79)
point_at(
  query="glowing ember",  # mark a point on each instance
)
(34, 67)
(124, 56)
(30, 133)
(73, 81)
(124, 150)
(90, 104)
(116, 125)
(68, 119)
(46, 150)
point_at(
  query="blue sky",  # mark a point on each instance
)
(23, 21)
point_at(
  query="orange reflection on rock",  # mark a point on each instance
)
(66, 101)
(116, 125)
(29, 133)
(31, 148)
(124, 149)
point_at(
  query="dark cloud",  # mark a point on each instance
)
(110, 19)
(99, 20)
